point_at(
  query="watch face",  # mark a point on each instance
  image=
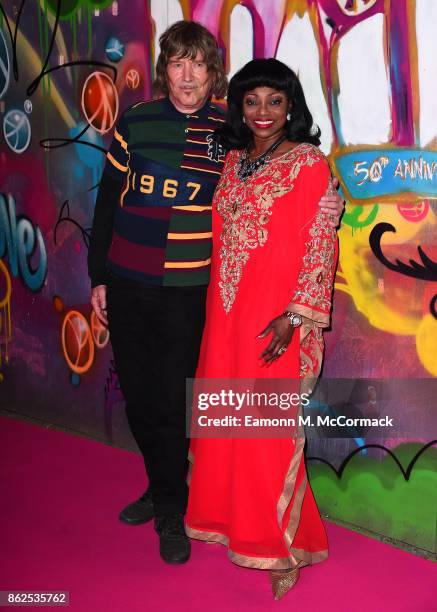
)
(296, 320)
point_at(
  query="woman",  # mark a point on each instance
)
(272, 276)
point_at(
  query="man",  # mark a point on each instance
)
(149, 262)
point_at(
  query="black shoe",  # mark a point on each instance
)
(174, 546)
(138, 512)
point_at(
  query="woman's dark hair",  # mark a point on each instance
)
(266, 73)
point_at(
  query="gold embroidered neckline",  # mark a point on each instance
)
(268, 164)
(246, 212)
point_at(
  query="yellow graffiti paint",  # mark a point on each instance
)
(5, 314)
(34, 61)
(358, 278)
(59, 40)
(426, 341)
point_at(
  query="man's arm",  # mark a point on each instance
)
(100, 241)
(332, 203)
(110, 189)
(101, 231)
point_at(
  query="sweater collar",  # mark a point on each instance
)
(172, 111)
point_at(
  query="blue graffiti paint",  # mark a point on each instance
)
(17, 130)
(75, 379)
(5, 66)
(326, 410)
(90, 156)
(378, 173)
(20, 241)
(114, 49)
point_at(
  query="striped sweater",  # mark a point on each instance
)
(166, 165)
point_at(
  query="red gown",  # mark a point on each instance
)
(273, 251)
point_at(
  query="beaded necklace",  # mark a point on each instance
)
(250, 166)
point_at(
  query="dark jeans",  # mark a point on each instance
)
(155, 335)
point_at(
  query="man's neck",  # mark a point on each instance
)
(187, 110)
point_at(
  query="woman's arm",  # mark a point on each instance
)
(311, 298)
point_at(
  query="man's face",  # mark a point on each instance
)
(188, 82)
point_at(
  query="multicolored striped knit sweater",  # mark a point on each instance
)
(152, 221)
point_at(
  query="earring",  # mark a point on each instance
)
(288, 116)
(244, 119)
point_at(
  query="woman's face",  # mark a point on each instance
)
(265, 112)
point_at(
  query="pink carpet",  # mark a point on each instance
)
(60, 497)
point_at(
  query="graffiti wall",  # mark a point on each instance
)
(68, 68)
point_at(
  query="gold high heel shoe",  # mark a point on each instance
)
(283, 581)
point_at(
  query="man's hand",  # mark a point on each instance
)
(282, 334)
(98, 302)
(332, 204)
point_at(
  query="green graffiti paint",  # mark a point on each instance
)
(41, 43)
(90, 31)
(352, 216)
(69, 8)
(374, 494)
(74, 51)
(47, 78)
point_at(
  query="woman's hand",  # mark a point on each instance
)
(282, 332)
